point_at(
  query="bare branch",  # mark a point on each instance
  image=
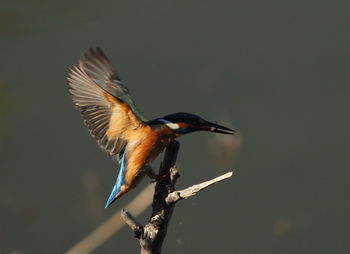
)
(132, 223)
(152, 235)
(175, 196)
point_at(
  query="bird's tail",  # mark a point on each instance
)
(117, 191)
(119, 187)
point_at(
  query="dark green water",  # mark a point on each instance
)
(276, 70)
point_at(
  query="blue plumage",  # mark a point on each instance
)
(120, 179)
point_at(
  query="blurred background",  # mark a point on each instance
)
(278, 71)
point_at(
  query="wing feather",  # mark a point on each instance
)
(104, 102)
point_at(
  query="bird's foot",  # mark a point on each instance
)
(158, 177)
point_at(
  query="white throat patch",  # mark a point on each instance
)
(173, 126)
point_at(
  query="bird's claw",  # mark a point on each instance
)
(160, 177)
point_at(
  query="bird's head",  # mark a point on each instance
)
(183, 123)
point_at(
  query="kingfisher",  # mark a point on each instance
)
(113, 120)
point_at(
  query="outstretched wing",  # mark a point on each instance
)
(104, 102)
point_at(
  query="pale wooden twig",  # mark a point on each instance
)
(132, 222)
(151, 236)
(193, 190)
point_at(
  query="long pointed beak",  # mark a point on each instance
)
(213, 127)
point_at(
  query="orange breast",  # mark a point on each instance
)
(145, 145)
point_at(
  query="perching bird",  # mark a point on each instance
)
(113, 120)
